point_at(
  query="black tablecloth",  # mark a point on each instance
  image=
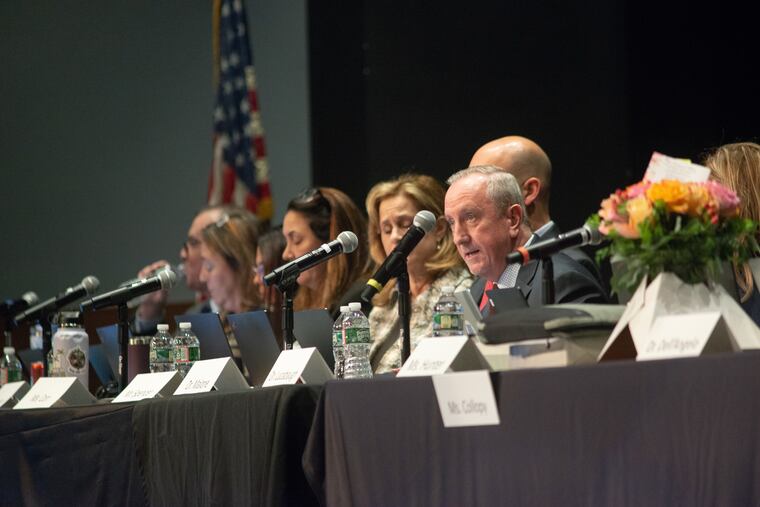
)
(227, 449)
(69, 456)
(677, 432)
(240, 448)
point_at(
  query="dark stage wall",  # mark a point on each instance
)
(410, 85)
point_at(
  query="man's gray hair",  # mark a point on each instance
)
(502, 188)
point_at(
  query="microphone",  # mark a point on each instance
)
(586, 235)
(423, 222)
(179, 270)
(165, 279)
(13, 306)
(89, 285)
(346, 242)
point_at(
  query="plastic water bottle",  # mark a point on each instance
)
(358, 340)
(161, 350)
(339, 350)
(70, 349)
(448, 314)
(187, 348)
(10, 367)
(35, 336)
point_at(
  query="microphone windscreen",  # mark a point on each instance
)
(30, 297)
(90, 284)
(348, 241)
(167, 278)
(425, 220)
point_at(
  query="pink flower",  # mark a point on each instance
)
(725, 199)
(637, 189)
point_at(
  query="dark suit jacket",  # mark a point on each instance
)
(574, 253)
(572, 283)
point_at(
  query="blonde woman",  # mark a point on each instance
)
(432, 265)
(737, 166)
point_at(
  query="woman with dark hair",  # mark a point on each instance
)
(317, 216)
(433, 264)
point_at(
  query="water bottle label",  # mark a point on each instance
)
(447, 321)
(357, 335)
(337, 338)
(14, 375)
(160, 355)
(194, 353)
(181, 354)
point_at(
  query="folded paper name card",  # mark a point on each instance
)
(11, 392)
(466, 399)
(670, 318)
(220, 374)
(56, 392)
(437, 355)
(299, 365)
(150, 385)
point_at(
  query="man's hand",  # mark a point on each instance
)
(152, 305)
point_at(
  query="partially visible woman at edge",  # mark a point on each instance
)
(269, 256)
(737, 166)
(433, 264)
(228, 255)
(314, 217)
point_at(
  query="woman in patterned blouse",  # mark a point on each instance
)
(432, 265)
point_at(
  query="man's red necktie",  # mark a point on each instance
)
(484, 299)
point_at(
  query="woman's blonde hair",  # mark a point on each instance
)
(234, 237)
(330, 212)
(427, 194)
(737, 166)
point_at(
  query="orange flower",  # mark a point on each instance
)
(638, 210)
(673, 193)
(698, 199)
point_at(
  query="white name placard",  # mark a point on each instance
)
(679, 335)
(55, 392)
(437, 355)
(221, 374)
(11, 392)
(150, 385)
(304, 365)
(466, 399)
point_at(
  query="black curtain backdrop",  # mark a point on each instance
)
(416, 86)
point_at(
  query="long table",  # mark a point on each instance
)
(663, 433)
(241, 448)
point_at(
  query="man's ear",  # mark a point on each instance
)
(515, 215)
(531, 187)
(441, 228)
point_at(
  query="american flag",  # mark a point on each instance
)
(239, 173)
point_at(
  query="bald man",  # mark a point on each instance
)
(531, 167)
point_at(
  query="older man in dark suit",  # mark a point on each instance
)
(485, 210)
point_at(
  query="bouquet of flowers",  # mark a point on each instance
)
(687, 228)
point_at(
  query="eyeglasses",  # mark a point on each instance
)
(311, 197)
(222, 221)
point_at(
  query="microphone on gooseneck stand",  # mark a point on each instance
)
(13, 306)
(423, 222)
(39, 311)
(586, 235)
(346, 242)
(165, 279)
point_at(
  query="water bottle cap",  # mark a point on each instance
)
(344, 309)
(447, 289)
(163, 327)
(185, 325)
(70, 319)
(354, 307)
(9, 350)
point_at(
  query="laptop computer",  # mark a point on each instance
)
(506, 299)
(27, 357)
(257, 342)
(208, 328)
(313, 328)
(101, 364)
